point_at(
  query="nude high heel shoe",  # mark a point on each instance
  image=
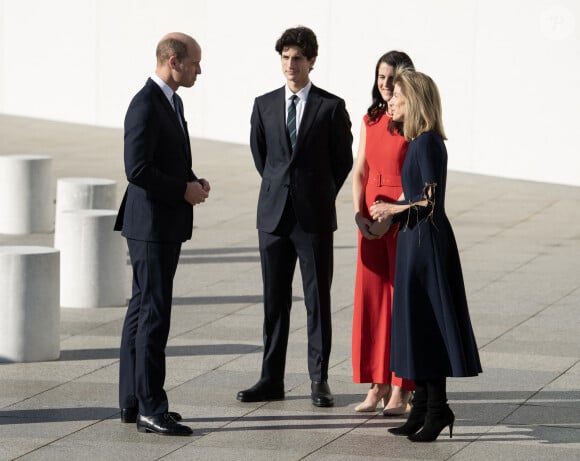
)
(400, 408)
(377, 393)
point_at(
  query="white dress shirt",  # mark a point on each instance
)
(167, 91)
(300, 103)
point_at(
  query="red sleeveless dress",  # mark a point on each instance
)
(373, 292)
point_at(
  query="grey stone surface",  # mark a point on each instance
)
(519, 244)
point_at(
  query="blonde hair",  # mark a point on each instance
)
(423, 104)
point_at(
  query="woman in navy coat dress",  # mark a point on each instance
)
(432, 337)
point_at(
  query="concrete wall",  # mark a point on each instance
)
(508, 70)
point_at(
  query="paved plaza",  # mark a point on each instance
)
(520, 248)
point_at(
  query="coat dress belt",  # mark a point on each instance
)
(380, 180)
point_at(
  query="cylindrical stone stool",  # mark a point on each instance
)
(30, 305)
(93, 259)
(82, 193)
(26, 194)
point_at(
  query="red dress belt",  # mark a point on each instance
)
(379, 179)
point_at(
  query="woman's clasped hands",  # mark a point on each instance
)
(372, 229)
(383, 211)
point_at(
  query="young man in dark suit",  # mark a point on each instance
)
(156, 217)
(302, 147)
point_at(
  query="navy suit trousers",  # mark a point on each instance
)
(146, 326)
(279, 252)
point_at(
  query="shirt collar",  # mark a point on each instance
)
(167, 91)
(302, 94)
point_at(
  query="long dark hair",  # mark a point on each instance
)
(398, 60)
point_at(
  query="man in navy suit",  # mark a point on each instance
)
(156, 217)
(302, 147)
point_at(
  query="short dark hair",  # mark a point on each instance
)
(301, 37)
(171, 47)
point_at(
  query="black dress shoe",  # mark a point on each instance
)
(129, 415)
(162, 424)
(321, 395)
(262, 392)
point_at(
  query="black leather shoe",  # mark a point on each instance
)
(129, 415)
(262, 392)
(321, 395)
(162, 424)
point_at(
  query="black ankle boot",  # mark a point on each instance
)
(434, 424)
(418, 412)
(439, 415)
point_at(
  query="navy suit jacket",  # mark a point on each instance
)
(158, 166)
(313, 174)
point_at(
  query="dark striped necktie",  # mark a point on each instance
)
(291, 121)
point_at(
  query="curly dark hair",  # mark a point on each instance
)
(301, 37)
(398, 60)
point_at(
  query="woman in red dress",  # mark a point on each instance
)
(377, 176)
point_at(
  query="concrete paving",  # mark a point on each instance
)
(520, 249)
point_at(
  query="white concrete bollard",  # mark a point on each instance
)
(30, 305)
(82, 193)
(93, 259)
(26, 194)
